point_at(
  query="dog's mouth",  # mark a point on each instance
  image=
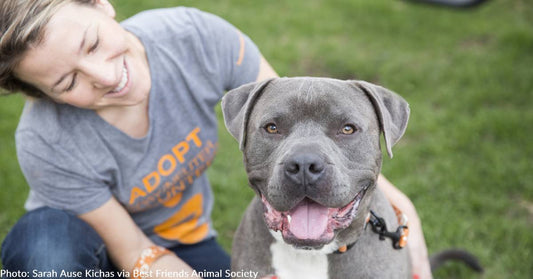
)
(310, 224)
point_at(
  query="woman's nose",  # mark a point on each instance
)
(102, 73)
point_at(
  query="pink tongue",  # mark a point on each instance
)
(309, 220)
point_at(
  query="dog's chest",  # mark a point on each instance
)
(290, 263)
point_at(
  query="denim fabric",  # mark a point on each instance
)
(46, 240)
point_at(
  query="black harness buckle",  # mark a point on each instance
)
(380, 227)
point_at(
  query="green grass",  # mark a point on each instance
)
(466, 158)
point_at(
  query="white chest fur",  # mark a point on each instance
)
(291, 263)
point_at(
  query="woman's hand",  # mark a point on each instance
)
(124, 239)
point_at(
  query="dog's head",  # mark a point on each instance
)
(312, 151)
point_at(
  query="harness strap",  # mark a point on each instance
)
(402, 222)
(399, 237)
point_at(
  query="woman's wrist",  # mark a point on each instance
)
(147, 257)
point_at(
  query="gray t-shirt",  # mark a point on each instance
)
(75, 161)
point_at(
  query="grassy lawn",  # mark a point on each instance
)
(466, 158)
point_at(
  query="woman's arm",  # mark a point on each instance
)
(265, 70)
(125, 241)
(416, 244)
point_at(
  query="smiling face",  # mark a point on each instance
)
(87, 60)
(312, 153)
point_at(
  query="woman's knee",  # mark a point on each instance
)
(49, 239)
(207, 255)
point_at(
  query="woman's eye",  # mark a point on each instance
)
(271, 128)
(348, 129)
(72, 83)
(94, 46)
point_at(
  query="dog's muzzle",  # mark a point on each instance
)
(310, 224)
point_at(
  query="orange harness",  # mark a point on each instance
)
(399, 237)
(403, 223)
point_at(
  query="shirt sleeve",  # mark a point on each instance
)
(58, 177)
(230, 55)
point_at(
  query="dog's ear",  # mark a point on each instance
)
(237, 106)
(392, 111)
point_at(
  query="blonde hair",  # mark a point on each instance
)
(22, 25)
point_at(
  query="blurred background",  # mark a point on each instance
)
(466, 158)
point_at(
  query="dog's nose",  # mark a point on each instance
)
(305, 168)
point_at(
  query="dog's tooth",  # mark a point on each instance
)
(289, 218)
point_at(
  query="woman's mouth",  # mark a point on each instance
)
(123, 85)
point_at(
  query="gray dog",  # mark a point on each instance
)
(312, 153)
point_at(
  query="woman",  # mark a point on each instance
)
(118, 134)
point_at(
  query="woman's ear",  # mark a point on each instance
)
(106, 7)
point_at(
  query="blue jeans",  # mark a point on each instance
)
(46, 240)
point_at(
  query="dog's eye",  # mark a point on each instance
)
(348, 129)
(271, 128)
